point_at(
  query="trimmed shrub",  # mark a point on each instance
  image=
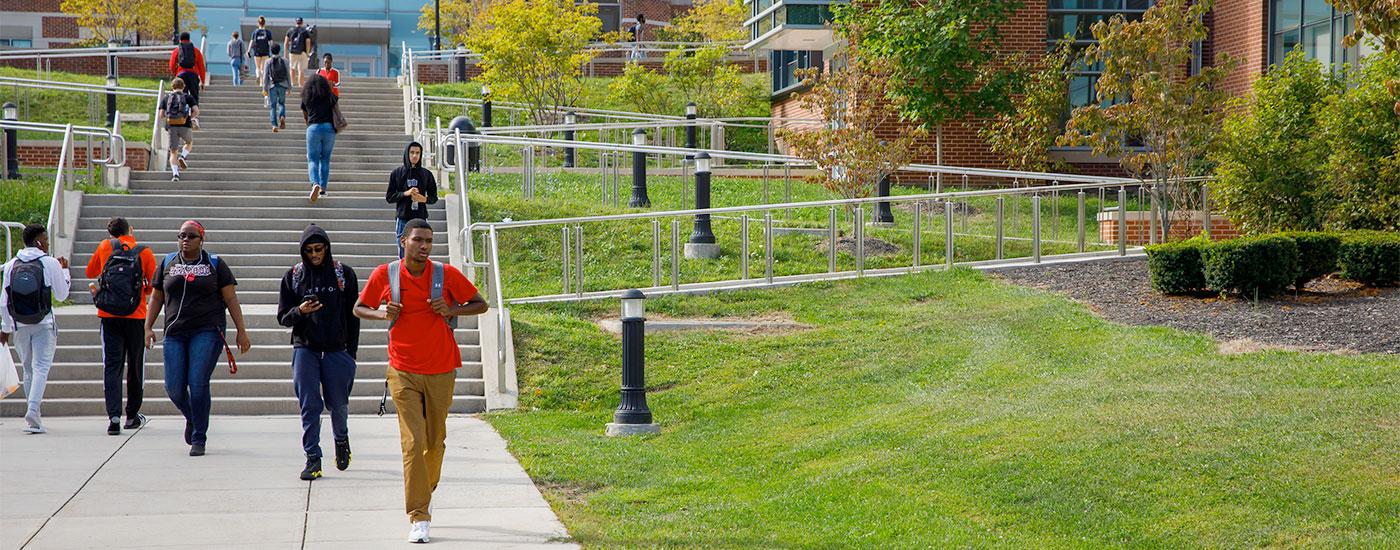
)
(1370, 257)
(1176, 268)
(1245, 266)
(1317, 254)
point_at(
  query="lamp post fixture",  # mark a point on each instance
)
(485, 106)
(633, 417)
(11, 112)
(111, 99)
(639, 172)
(883, 215)
(569, 120)
(690, 115)
(461, 56)
(702, 243)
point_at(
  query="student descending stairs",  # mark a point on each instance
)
(248, 186)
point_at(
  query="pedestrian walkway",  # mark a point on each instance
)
(77, 487)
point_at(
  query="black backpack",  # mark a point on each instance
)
(121, 285)
(296, 40)
(186, 56)
(30, 299)
(278, 73)
(177, 109)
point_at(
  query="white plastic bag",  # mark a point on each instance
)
(9, 378)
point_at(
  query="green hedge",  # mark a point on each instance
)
(1317, 254)
(1251, 266)
(1176, 268)
(1370, 257)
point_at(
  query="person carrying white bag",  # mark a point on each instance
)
(33, 280)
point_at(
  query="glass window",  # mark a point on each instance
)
(306, 5)
(364, 5)
(1075, 18)
(404, 28)
(1317, 41)
(1316, 10)
(1287, 14)
(808, 14)
(1314, 25)
(786, 63)
(221, 23)
(611, 16)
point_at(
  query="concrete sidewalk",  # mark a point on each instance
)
(77, 487)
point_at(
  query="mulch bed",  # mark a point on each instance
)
(1328, 315)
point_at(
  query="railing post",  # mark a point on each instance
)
(656, 253)
(1152, 217)
(1079, 223)
(831, 240)
(768, 246)
(675, 254)
(1122, 221)
(1035, 228)
(860, 240)
(744, 247)
(949, 246)
(918, 234)
(1001, 227)
(578, 260)
(564, 249)
(1205, 210)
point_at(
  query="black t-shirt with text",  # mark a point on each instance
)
(192, 299)
(261, 43)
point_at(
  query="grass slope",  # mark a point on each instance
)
(76, 107)
(947, 409)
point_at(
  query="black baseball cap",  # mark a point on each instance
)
(298, 20)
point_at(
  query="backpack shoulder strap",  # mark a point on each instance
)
(339, 275)
(213, 260)
(297, 272)
(437, 280)
(166, 261)
(116, 245)
(394, 294)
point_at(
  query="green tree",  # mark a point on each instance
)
(454, 16)
(944, 56)
(704, 77)
(1361, 134)
(1024, 134)
(534, 51)
(853, 147)
(645, 90)
(1174, 114)
(1380, 20)
(122, 20)
(708, 21)
(1271, 161)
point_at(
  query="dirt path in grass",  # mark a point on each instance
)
(1330, 315)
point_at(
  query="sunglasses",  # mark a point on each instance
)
(314, 249)
(188, 236)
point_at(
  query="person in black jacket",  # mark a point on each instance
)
(317, 300)
(411, 188)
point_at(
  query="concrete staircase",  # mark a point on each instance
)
(248, 186)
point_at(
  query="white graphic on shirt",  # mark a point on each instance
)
(182, 270)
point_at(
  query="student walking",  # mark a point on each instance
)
(316, 300)
(297, 43)
(236, 51)
(411, 189)
(275, 82)
(318, 108)
(177, 110)
(187, 64)
(636, 31)
(124, 271)
(423, 300)
(260, 48)
(32, 280)
(329, 73)
(194, 288)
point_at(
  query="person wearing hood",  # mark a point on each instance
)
(411, 189)
(316, 300)
(31, 280)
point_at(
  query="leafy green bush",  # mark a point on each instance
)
(1246, 266)
(1176, 267)
(1271, 160)
(1370, 257)
(1361, 129)
(1317, 254)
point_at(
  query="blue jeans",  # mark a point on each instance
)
(398, 233)
(36, 344)
(277, 103)
(322, 381)
(237, 65)
(320, 139)
(189, 363)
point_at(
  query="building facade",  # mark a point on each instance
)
(1258, 33)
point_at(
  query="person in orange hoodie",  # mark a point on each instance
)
(187, 63)
(124, 283)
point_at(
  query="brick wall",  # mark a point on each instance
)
(1139, 228)
(97, 65)
(60, 27)
(47, 154)
(31, 6)
(1240, 28)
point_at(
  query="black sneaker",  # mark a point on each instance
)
(196, 450)
(113, 427)
(189, 433)
(342, 455)
(312, 470)
(175, 177)
(136, 422)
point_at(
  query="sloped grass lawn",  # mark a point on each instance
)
(60, 107)
(947, 409)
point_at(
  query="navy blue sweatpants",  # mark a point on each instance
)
(322, 381)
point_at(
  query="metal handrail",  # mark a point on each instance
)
(155, 127)
(129, 51)
(116, 155)
(9, 244)
(57, 225)
(74, 86)
(473, 102)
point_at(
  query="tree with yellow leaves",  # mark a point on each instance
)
(125, 20)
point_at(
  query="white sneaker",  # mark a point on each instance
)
(33, 424)
(418, 533)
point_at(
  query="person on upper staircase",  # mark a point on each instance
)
(187, 63)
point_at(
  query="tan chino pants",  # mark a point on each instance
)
(422, 401)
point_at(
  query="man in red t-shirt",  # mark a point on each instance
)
(423, 359)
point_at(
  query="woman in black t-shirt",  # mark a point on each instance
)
(194, 287)
(318, 108)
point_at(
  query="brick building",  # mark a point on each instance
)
(1256, 32)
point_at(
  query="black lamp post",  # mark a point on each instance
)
(702, 238)
(633, 416)
(437, 27)
(485, 106)
(175, 20)
(639, 172)
(690, 114)
(111, 99)
(883, 215)
(11, 112)
(569, 119)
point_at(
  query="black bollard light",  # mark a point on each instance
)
(11, 112)
(460, 55)
(633, 417)
(569, 119)
(485, 106)
(639, 172)
(883, 215)
(111, 99)
(702, 243)
(690, 114)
